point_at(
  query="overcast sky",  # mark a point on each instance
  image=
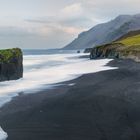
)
(54, 23)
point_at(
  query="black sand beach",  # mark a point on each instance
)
(100, 106)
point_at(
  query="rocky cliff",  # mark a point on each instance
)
(127, 47)
(11, 67)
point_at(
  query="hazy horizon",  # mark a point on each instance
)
(46, 24)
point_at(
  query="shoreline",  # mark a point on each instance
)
(98, 106)
(36, 78)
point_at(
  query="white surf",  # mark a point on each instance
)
(3, 135)
(42, 71)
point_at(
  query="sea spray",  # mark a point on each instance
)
(3, 135)
(42, 71)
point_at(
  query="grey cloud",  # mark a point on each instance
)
(16, 37)
(14, 31)
(36, 15)
(70, 22)
(77, 22)
(108, 9)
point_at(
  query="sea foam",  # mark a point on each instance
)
(42, 71)
(3, 135)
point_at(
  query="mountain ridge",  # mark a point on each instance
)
(106, 32)
(129, 34)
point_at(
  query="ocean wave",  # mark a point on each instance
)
(3, 135)
(65, 67)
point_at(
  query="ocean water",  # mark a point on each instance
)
(44, 69)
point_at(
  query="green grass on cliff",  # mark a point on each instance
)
(131, 45)
(131, 41)
(126, 47)
(7, 55)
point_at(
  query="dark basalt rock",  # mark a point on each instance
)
(107, 51)
(88, 50)
(11, 64)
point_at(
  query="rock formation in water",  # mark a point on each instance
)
(11, 64)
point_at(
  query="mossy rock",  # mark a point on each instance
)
(11, 64)
(10, 55)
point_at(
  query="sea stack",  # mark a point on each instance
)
(11, 64)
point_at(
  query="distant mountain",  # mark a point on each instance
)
(106, 32)
(129, 34)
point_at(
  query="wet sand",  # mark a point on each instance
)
(100, 106)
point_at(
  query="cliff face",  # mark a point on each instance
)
(11, 64)
(106, 51)
(127, 48)
(116, 51)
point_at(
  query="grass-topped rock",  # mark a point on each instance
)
(126, 47)
(11, 64)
